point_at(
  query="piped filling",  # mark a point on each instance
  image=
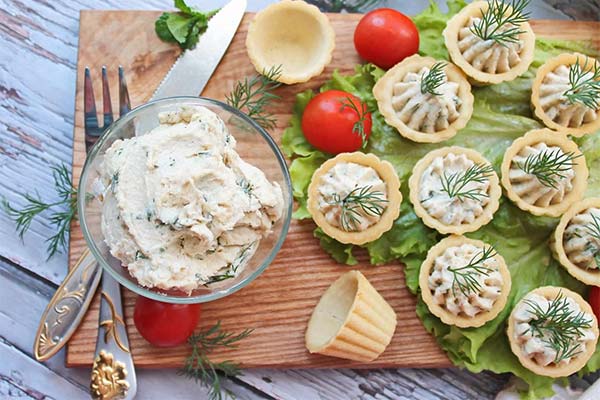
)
(581, 239)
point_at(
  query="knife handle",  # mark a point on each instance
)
(67, 307)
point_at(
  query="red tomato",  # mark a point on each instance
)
(385, 37)
(330, 122)
(165, 324)
(594, 300)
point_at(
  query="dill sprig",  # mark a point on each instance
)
(548, 166)
(359, 126)
(199, 367)
(558, 326)
(594, 230)
(35, 206)
(466, 278)
(433, 79)
(253, 95)
(455, 185)
(585, 85)
(498, 15)
(360, 198)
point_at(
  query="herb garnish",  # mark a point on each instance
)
(184, 27)
(433, 79)
(465, 278)
(35, 206)
(558, 326)
(233, 267)
(206, 372)
(253, 95)
(594, 230)
(585, 85)
(498, 15)
(360, 198)
(455, 185)
(548, 166)
(359, 126)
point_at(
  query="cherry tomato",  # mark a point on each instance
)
(385, 37)
(165, 324)
(594, 300)
(333, 122)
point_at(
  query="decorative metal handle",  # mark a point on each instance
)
(67, 307)
(113, 373)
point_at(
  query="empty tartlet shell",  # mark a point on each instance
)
(460, 20)
(545, 69)
(462, 321)
(285, 23)
(384, 89)
(554, 371)
(352, 321)
(587, 276)
(414, 185)
(554, 139)
(386, 172)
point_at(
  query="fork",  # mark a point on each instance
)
(113, 373)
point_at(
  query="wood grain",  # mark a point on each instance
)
(278, 303)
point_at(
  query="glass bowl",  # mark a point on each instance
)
(253, 144)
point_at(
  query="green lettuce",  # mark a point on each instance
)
(501, 114)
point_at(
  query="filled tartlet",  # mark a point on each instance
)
(576, 241)
(544, 172)
(464, 282)
(490, 41)
(553, 331)
(565, 94)
(454, 190)
(425, 100)
(354, 197)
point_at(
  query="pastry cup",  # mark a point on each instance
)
(550, 138)
(587, 276)
(553, 370)
(294, 35)
(414, 185)
(384, 89)
(352, 321)
(459, 21)
(386, 172)
(567, 59)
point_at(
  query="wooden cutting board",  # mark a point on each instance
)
(278, 304)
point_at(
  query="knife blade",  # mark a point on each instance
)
(192, 70)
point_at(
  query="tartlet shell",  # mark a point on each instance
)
(552, 138)
(439, 311)
(383, 92)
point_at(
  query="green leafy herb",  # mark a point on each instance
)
(466, 278)
(361, 198)
(35, 206)
(234, 266)
(548, 166)
(455, 185)
(253, 95)
(359, 126)
(500, 22)
(206, 372)
(559, 326)
(184, 27)
(585, 85)
(594, 230)
(433, 79)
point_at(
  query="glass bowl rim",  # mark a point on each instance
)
(140, 290)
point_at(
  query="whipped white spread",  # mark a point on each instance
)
(555, 104)
(181, 208)
(529, 188)
(426, 112)
(340, 191)
(451, 210)
(581, 239)
(446, 285)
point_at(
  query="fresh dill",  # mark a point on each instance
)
(466, 278)
(199, 367)
(584, 85)
(558, 326)
(594, 231)
(60, 219)
(548, 166)
(253, 95)
(359, 126)
(500, 22)
(433, 79)
(456, 185)
(361, 198)
(234, 266)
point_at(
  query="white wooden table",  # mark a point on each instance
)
(38, 53)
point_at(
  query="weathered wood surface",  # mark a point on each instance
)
(38, 53)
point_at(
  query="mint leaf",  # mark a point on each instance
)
(179, 26)
(162, 30)
(183, 27)
(180, 4)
